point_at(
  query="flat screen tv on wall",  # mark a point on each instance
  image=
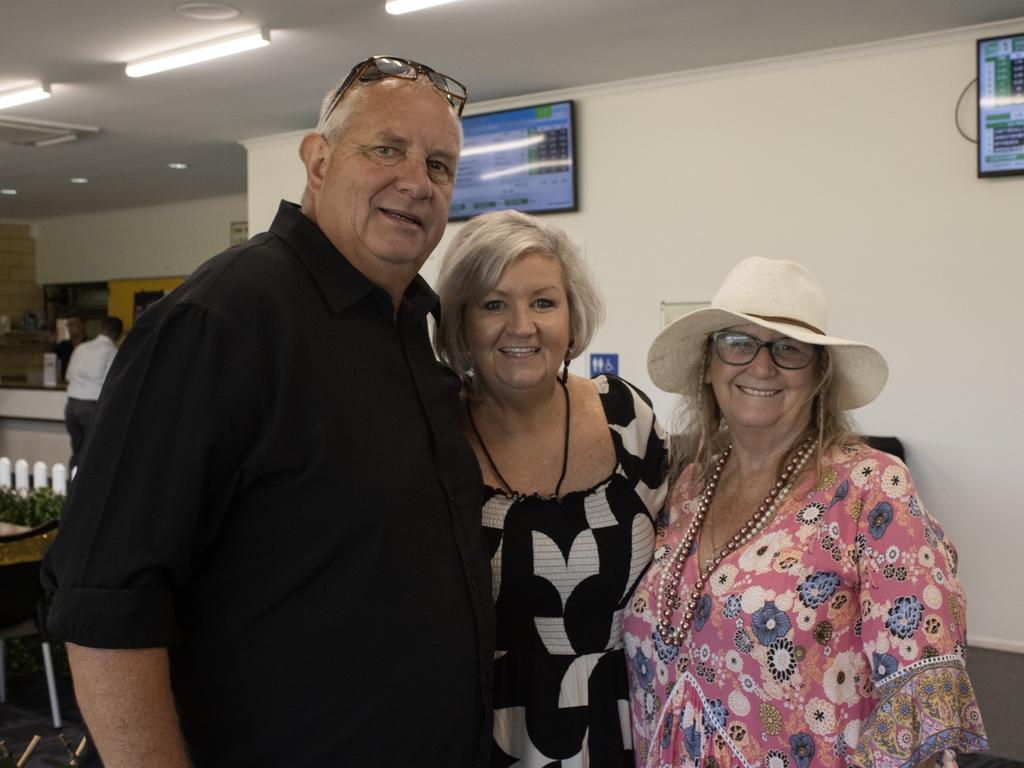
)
(524, 159)
(1001, 105)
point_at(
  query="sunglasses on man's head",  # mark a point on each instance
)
(379, 67)
(735, 348)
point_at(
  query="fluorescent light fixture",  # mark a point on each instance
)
(178, 166)
(79, 180)
(24, 96)
(525, 167)
(395, 7)
(8, 191)
(501, 146)
(57, 140)
(182, 57)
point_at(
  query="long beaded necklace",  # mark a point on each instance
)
(667, 597)
(565, 447)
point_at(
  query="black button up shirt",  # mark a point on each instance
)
(276, 487)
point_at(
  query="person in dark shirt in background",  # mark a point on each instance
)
(272, 554)
(76, 335)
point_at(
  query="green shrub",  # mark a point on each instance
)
(32, 509)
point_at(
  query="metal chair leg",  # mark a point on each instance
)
(51, 684)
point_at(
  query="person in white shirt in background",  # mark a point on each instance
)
(85, 373)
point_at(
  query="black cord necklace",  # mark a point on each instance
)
(565, 446)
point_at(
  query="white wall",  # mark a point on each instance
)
(149, 241)
(274, 172)
(849, 162)
(32, 425)
(34, 440)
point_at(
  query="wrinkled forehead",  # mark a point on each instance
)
(757, 331)
(417, 100)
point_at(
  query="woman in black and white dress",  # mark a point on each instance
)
(574, 470)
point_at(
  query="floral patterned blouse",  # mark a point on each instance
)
(835, 637)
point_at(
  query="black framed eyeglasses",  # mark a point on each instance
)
(736, 348)
(379, 67)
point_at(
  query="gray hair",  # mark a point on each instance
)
(473, 265)
(329, 125)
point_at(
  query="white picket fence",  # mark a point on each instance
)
(41, 477)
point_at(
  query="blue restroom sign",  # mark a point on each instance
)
(604, 363)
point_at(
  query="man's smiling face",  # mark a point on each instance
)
(388, 179)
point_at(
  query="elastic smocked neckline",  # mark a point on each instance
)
(518, 496)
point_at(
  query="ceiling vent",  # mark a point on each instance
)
(40, 133)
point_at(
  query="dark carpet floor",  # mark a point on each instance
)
(986, 761)
(27, 714)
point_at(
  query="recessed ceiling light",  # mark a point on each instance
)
(395, 7)
(178, 166)
(207, 11)
(8, 191)
(79, 180)
(194, 54)
(24, 95)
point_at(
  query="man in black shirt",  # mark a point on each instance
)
(277, 517)
(75, 323)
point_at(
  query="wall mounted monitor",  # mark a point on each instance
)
(1001, 105)
(523, 159)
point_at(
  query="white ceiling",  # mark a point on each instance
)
(499, 48)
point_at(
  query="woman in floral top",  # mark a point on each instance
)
(802, 608)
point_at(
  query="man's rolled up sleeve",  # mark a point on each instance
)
(114, 618)
(177, 417)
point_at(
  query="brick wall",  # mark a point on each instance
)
(18, 290)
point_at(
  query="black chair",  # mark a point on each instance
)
(22, 611)
(890, 445)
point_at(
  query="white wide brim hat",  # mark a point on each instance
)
(778, 295)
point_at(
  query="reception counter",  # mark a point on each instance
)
(32, 423)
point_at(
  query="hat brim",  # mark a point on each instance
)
(676, 354)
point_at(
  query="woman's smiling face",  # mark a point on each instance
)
(518, 331)
(760, 395)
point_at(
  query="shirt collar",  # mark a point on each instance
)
(341, 283)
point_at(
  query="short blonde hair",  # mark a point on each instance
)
(473, 265)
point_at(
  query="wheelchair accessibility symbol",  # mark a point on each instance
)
(604, 363)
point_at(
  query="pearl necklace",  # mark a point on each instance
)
(668, 598)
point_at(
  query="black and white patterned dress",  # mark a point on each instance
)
(562, 573)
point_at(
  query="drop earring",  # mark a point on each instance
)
(565, 363)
